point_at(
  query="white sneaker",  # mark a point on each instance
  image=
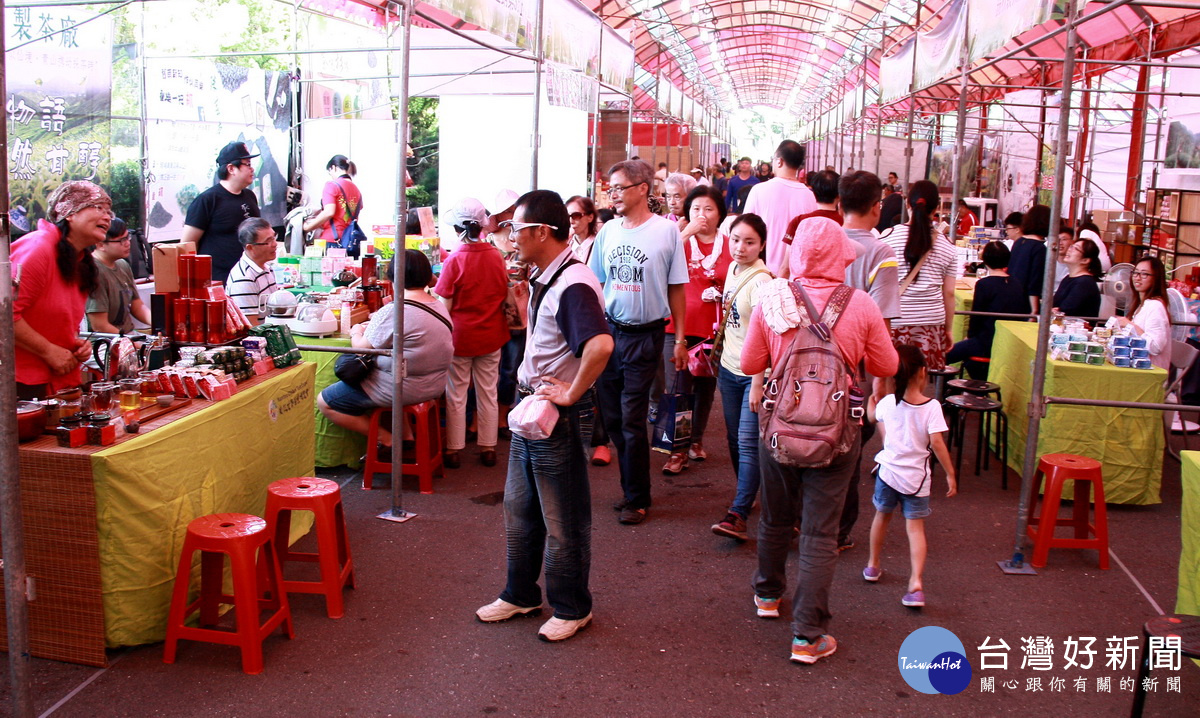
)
(558, 629)
(501, 610)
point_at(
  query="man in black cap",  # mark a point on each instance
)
(213, 217)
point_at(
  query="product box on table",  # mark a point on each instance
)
(165, 258)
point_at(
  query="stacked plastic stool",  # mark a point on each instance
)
(257, 586)
(324, 499)
(963, 405)
(940, 376)
(1058, 469)
(427, 440)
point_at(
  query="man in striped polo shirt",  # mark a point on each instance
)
(250, 281)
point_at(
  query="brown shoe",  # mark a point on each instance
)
(450, 460)
(487, 457)
(631, 516)
(676, 464)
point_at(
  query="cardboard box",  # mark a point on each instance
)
(166, 264)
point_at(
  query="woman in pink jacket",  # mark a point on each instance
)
(814, 496)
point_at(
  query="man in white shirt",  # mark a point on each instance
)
(701, 180)
(251, 281)
(780, 199)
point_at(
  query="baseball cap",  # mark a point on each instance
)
(696, 170)
(468, 209)
(233, 152)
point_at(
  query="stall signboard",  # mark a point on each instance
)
(567, 88)
(984, 37)
(571, 36)
(345, 85)
(194, 108)
(1183, 115)
(616, 61)
(59, 101)
(513, 20)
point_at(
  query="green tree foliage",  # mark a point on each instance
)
(423, 166)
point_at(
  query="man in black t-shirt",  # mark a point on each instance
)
(213, 217)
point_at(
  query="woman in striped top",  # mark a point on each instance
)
(928, 267)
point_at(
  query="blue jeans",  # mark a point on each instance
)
(511, 355)
(816, 496)
(624, 391)
(741, 431)
(548, 516)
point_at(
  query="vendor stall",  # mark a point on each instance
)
(964, 299)
(1128, 442)
(104, 525)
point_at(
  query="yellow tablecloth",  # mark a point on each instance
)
(335, 446)
(963, 299)
(1188, 598)
(1129, 442)
(217, 460)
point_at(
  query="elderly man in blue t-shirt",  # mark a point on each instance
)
(639, 259)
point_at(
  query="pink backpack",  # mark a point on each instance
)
(810, 404)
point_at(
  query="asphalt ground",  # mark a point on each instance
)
(675, 631)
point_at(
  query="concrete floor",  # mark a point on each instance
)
(675, 630)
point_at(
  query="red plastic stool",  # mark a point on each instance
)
(1058, 469)
(241, 537)
(324, 500)
(427, 436)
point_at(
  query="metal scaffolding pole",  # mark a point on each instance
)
(912, 111)
(960, 133)
(1037, 405)
(629, 130)
(12, 523)
(537, 94)
(399, 366)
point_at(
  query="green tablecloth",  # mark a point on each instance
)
(1188, 598)
(219, 459)
(335, 446)
(963, 299)
(1129, 442)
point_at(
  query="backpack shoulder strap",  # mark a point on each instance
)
(836, 305)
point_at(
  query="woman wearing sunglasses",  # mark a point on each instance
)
(1147, 315)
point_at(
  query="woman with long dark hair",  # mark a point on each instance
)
(1148, 315)
(927, 267)
(56, 274)
(341, 200)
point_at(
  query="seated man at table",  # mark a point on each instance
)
(428, 349)
(251, 281)
(114, 303)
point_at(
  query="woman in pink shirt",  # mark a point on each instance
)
(473, 284)
(57, 273)
(813, 496)
(341, 200)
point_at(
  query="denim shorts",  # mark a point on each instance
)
(345, 399)
(886, 498)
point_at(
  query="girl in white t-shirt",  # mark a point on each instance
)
(911, 424)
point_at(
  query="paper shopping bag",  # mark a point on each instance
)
(673, 427)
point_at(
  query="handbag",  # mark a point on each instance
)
(718, 343)
(353, 369)
(673, 427)
(700, 359)
(533, 418)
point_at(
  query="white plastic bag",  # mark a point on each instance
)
(533, 418)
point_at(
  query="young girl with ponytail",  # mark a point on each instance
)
(912, 425)
(928, 268)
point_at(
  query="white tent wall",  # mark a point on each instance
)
(1018, 164)
(371, 145)
(485, 148)
(1110, 165)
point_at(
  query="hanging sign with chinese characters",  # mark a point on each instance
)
(59, 77)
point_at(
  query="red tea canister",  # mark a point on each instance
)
(215, 321)
(187, 268)
(201, 275)
(196, 321)
(181, 333)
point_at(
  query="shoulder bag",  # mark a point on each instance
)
(353, 369)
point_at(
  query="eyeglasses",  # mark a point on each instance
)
(123, 240)
(576, 216)
(617, 189)
(261, 244)
(1140, 273)
(518, 226)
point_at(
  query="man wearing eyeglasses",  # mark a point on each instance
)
(113, 304)
(639, 260)
(213, 217)
(547, 499)
(251, 281)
